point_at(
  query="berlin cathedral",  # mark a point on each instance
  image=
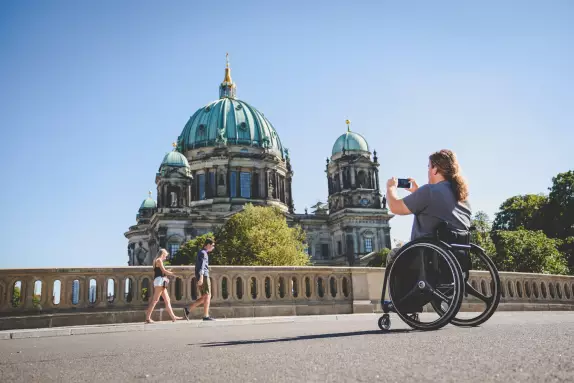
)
(228, 155)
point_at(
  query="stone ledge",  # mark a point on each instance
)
(86, 318)
(104, 329)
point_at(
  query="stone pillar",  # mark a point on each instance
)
(238, 182)
(206, 182)
(357, 243)
(353, 183)
(27, 293)
(341, 185)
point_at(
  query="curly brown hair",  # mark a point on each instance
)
(447, 165)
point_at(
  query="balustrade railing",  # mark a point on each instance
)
(48, 290)
(27, 291)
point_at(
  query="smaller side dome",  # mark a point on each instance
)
(148, 203)
(175, 159)
(350, 141)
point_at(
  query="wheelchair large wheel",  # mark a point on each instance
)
(490, 302)
(424, 272)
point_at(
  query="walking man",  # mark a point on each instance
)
(203, 282)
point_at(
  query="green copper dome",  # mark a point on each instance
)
(229, 121)
(350, 141)
(175, 159)
(148, 203)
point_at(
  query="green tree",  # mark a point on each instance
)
(480, 235)
(559, 213)
(16, 297)
(259, 236)
(187, 254)
(380, 258)
(521, 212)
(529, 252)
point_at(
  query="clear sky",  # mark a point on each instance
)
(93, 95)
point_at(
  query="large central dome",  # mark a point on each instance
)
(229, 121)
(232, 121)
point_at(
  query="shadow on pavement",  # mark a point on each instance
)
(302, 337)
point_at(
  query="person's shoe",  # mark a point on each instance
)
(208, 318)
(186, 313)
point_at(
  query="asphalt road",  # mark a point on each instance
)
(511, 347)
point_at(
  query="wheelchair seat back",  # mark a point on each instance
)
(459, 240)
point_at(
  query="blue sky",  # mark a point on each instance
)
(93, 95)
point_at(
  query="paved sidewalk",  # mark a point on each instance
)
(163, 325)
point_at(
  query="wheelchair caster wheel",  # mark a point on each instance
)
(385, 322)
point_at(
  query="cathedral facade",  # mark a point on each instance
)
(228, 155)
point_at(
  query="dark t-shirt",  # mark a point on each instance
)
(433, 203)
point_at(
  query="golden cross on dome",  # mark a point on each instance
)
(174, 144)
(149, 193)
(227, 60)
(348, 122)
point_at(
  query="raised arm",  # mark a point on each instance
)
(396, 205)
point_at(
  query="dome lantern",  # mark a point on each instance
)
(227, 89)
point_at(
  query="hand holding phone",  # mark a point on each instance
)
(404, 183)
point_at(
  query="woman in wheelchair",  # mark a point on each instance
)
(433, 268)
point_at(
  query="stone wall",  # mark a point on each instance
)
(240, 291)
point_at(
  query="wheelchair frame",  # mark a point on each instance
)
(446, 251)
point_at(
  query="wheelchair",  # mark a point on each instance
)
(434, 271)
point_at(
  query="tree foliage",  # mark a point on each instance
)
(16, 297)
(260, 236)
(480, 236)
(188, 252)
(528, 251)
(521, 212)
(256, 236)
(380, 258)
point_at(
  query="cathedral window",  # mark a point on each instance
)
(201, 182)
(201, 132)
(211, 184)
(325, 250)
(368, 245)
(173, 248)
(233, 184)
(245, 184)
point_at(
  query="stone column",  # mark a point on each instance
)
(267, 182)
(189, 194)
(27, 293)
(357, 243)
(228, 183)
(353, 182)
(238, 182)
(342, 186)
(166, 196)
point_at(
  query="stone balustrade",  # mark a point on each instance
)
(245, 291)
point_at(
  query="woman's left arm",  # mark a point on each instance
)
(162, 267)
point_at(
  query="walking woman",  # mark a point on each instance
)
(160, 283)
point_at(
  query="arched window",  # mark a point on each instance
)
(245, 184)
(361, 181)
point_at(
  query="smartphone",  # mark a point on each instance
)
(404, 183)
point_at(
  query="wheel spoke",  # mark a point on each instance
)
(472, 291)
(441, 296)
(407, 295)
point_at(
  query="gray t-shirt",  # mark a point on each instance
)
(202, 264)
(433, 203)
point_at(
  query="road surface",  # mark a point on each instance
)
(511, 347)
